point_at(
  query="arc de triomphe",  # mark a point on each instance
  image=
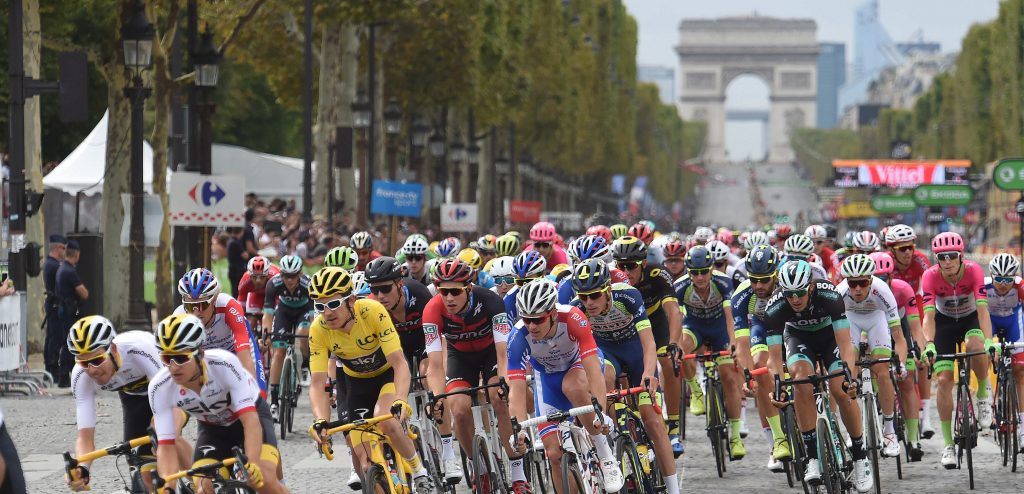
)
(782, 52)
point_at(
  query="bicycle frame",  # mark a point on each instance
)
(212, 472)
(834, 442)
(380, 451)
(870, 421)
(965, 422)
(579, 456)
(127, 449)
(497, 453)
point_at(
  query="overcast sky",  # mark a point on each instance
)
(944, 21)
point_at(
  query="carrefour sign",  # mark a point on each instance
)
(206, 200)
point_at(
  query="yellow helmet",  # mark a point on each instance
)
(180, 333)
(558, 269)
(329, 282)
(507, 245)
(472, 258)
(90, 333)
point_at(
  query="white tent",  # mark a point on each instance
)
(266, 175)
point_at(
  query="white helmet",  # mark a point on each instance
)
(866, 241)
(703, 234)
(180, 333)
(90, 333)
(755, 239)
(502, 266)
(361, 241)
(1003, 264)
(857, 266)
(415, 246)
(801, 245)
(795, 275)
(719, 251)
(290, 264)
(898, 234)
(816, 232)
(199, 285)
(536, 297)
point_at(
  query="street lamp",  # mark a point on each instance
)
(436, 144)
(473, 154)
(420, 131)
(137, 36)
(207, 62)
(361, 111)
(393, 118)
(457, 149)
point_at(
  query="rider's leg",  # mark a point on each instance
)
(975, 342)
(732, 390)
(909, 401)
(849, 410)
(276, 361)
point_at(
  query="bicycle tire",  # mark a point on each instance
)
(571, 474)
(872, 440)
(971, 425)
(428, 459)
(831, 473)
(629, 462)
(484, 481)
(375, 481)
(284, 401)
(1001, 417)
(714, 421)
(533, 470)
(684, 407)
(793, 465)
(1013, 414)
(898, 424)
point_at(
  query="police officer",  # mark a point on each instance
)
(54, 341)
(70, 295)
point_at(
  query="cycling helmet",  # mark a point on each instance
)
(258, 266)
(448, 247)
(699, 257)
(590, 247)
(783, 230)
(529, 264)
(742, 239)
(772, 236)
(90, 333)
(342, 257)
(502, 266)
(452, 270)
(650, 224)
(559, 271)
(536, 297)
(795, 275)
(472, 258)
(816, 232)
(848, 239)
(180, 333)
(199, 285)
(543, 232)
(618, 230)
(590, 275)
(329, 282)
(719, 251)
(383, 269)
(601, 231)
(857, 266)
(703, 234)
(674, 248)
(762, 261)
(641, 231)
(898, 234)
(798, 244)
(755, 239)
(1003, 264)
(947, 242)
(415, 246)
(361, 241)
(291, 264)
(486, 242)
(830, 231)
(507, 245)
(725, 236)
(629, 249)
(866, 241)
(360, 288)
(883, 263)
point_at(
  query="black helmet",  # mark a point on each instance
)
(590, 275)
(629, 249)
(382, 269)
(762, 261)
(699, 257)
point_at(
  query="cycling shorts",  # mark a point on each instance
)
(288, 320)
(758, 337)
(812, 347)
(214, 442)
(876, 327)
(136, 415)
(712, 333)
(950, 331)
(465, 368)
(550, 398)
(626, 356)
(1009, 327)
(362, 393)
(414, 347)
(661, 336)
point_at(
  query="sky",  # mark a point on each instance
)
(944, 21)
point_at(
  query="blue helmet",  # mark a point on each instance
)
(590, 275)
(699, 257)
(762, 261)
(529, 264)
(589, 247)
(199, 284)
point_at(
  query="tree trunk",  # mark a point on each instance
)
(162, 87)
(339, 57)
(34, 226)
(115, 183)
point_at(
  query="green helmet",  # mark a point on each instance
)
(618, 230)
(507, 245)
(795, 275)
(341, 257)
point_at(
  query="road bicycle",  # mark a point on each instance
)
(1007, 410)
(127, 449)
(288, 400)
(717, 425)
(632, 447)
(428, 438)
(486, 467)
(965, 421)
(869, 414)
(581, 469)
(685, 393)
(796, 465)
(222, 484)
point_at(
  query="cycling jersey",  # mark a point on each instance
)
(711, 307)
(363, 349)
(572, 342)
(804, 332)
(227, 392)
(249, 295)
(737, 273)
(874, 316)
(826, 258)
(410, 331)
(424, 280)
(959, 299)
(136, 360)
(748, 316)
(912, 274)
(364, 260)
(278, 295)
(485, 280)
(229, 330)
(655, 287)
(566, 293)
(906, 299)
(483, 323)
(624, 318)
(1003, 305)
(557, 257)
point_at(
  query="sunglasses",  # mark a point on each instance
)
(290, 276)
(177, 359)
(415, 258)
(761, 279)
(673, 259)
(819, 242)
(542, 245)
(863, 283)
(903, 248)
(451, 292)
(947, 256)
(385, 289)
(333, 304)
(93, 362)
(700, 272)
(192, 306)
(523, 281)
(628, 266)
(1003, 279)
(505, 280)
(794, 293)
(591, 295)
(852, 250)
(535, 320)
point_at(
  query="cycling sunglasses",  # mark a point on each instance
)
(415, 258)
(860, 283)
(192, 306)
(535, 320)
(451, 292)
(177, 359)
(628, 265)
(1003, 279)
(542, 245)
(291, 276)
(947, 256)
(594, 295)
(904, 248)
(385, 289)
(699, 272)
(333, 304)
(794, 293)
(258, 277)
(761, 279)
(93, 362)
(504, 280)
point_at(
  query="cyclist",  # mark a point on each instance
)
(343, 257)
(507, 245)
(654, 285)
(475, 327)
(674, 252)
(586, 247)
(801, 247)
(702, 235)
(448, 247)
(405, 300)
(543, 235)
(622, 332)
(360, 334)
(782, 232)
(362, 242)
(557, 343)
(472, 258)
(287, 308)
(415, 252)
(618, 231)
(871, 310)
(811, 318)
(211, 386)
(485, 246)
(748, 304)
(819, 235)
(503, 274)
(906, 303)
(1005, 293)
(956, 310)
(527, 266)
(646, 235)
(601, 231)
(910, 265)
(124, 363)
(223, 320)
(252, 286)
(723, 261)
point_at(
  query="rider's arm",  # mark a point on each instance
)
(928, 298)
(892, 314)
(253, 433)
(235, 319)
(517, 396)
(981, 299)
(161, 401)
(318, 361)
(502, 328)
(84, 391)
(432, 323)
(579, 329)
(742, 344)
(774, 322)
(269, 306)
(847, 352)
(669, 304)
(392, 348)
(517, 353)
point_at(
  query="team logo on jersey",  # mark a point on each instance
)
(429, 334)
(368, 342)
(206, 449)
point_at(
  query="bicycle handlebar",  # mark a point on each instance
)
(239, 459)
(955, 356)
(706, 355)
(593, 407)
(121, 448)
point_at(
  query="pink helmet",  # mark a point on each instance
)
(543, 232)
(725, 236)
(947, 242)
(883, 263)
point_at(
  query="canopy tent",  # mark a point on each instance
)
(266, 175)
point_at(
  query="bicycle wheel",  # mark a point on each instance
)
(899, 425)
(831, 473)
(284, 405)
(375, 481)
(1000, 420)
(430, 461)
(629, 462)
(572, 479)
(534, 465)
(871, 439)
(1013, 421)
(714, 424)
(485, 482)
(795, 465)
(684, 407)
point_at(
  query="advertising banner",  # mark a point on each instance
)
(524, 211)
(898, 173)
(459, 217)
(207, 200)
(396, 198)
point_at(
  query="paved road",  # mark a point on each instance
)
(43, 427)
(728, 197)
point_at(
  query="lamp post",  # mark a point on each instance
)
(393, 127)
(361, 120)
(437, 151)
(137, 38)
(457, 152)
(206, 63)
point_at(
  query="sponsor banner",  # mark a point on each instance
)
(524, 211)
(898, 173)
(563, 220)
(396, 198)
(459, 217)
(10, 333)
(207, 200)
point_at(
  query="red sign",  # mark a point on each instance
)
(524, 211)
(1011, 216)
(898, 173)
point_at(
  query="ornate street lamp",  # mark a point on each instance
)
(420, 131)
(207, 62)
(137, 40)
(393, 117)
(361, 111)
(436, 144)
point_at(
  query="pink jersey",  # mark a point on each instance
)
(557, 256)
(906, 299)
(957, 300)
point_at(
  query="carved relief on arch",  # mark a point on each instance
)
(766, 74)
